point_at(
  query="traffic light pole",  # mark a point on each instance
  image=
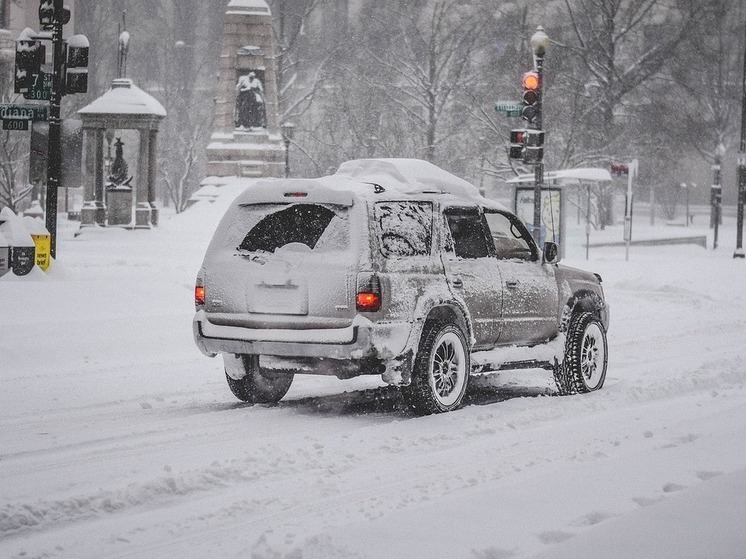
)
(54, 162)
(539, 166)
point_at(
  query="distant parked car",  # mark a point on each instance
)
(390, 267)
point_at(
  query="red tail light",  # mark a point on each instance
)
(368, 302)
(368, 294)
(199, 295)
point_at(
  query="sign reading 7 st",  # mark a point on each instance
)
(40, 87)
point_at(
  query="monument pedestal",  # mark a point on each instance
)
(246, 154)
(119, 202)
(93, 213)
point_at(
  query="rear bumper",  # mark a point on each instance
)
(362, 340)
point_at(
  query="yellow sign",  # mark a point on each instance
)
(43, 244)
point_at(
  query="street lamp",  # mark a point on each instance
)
(539, 45)
(741, 172)
(716, 194)
(687, 187)
(288, 129)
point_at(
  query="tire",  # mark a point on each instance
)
(586, 355)
(441, 370)
(255, 386)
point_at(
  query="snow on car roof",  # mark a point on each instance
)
(367, 178)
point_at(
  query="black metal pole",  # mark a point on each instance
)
(287, 156)
(539, 167)
(741, 171)
(716, 196)
(54, 161)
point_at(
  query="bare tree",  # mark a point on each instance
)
(707, 75)
(621, 44)
(14, 155)
(428, 65)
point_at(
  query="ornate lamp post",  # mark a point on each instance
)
(539, 45)
(288, 130)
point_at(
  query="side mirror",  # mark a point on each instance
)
(551, 253)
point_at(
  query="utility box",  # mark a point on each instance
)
(22, 248)
(4, 255)
(42, 240)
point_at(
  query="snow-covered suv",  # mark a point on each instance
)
(396, 268)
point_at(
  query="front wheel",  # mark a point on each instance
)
(249, 383)
(586, 356)
(441, 370)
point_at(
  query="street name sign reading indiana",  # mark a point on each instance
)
(17, 116)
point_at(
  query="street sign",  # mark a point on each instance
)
(23, 111)
(15, 124)
(40, 88)
(510, 108)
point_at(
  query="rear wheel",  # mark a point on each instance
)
(254, 385)
(441, 370)
(586, 356)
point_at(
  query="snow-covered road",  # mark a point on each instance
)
(119, 439)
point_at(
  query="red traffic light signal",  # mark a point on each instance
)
(517, 143)
(526, 145)
(619, 169)
(531, 95)
(531, 81)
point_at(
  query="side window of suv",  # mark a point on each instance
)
(467, 232)
(509, 237)
(404, 228)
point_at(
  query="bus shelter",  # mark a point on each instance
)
(555, 195)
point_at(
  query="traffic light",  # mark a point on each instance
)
(48, 17)
(526, 145)
(534, 151)
(517, 143)
(76, 66)
(531, 96)
(30, 56)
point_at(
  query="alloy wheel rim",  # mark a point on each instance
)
(448, 369)
(592, 356)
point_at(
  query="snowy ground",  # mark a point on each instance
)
(119, 439)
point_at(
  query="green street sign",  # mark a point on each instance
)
(15, 124)
(23, 111)
(40, 88)
(510, 108)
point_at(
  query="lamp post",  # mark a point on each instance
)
(716, 194)
(288, 129)
(687, 187)
(539, 45)
(741, 171)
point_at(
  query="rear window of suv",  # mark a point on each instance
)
(316, 226)
(404, 228)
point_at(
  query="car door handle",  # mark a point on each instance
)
(512, 284)
(457, 282)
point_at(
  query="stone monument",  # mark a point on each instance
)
(246, 140)
(124, 107)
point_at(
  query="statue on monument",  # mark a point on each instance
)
(118, 177)
(251, 112)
